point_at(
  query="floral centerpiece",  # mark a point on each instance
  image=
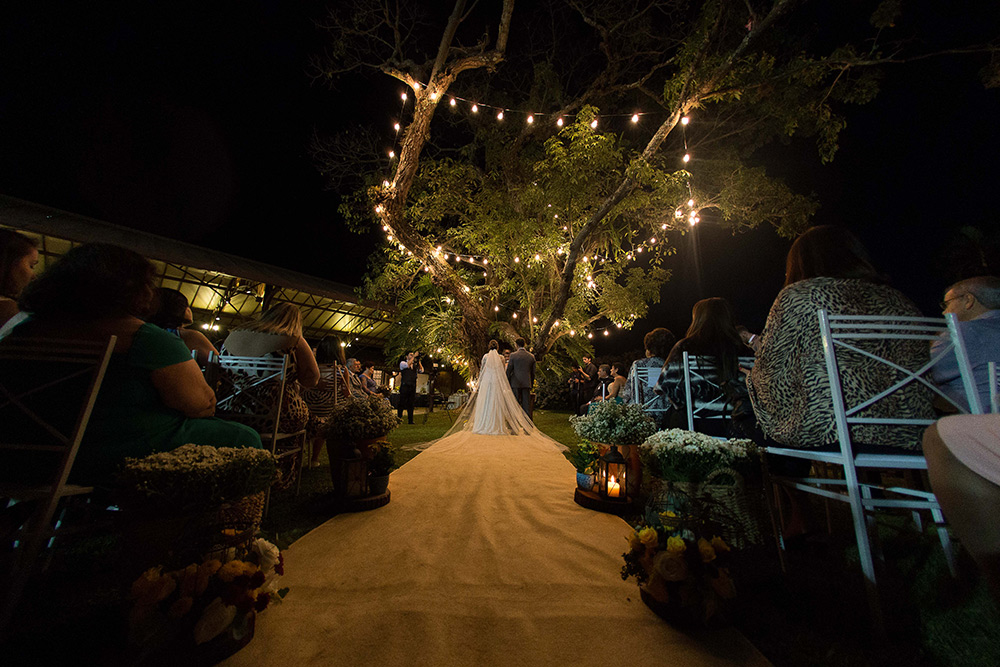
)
(613, 423)
(175, 612)
(685, 456)
(696, 474)
(584, 458)
(197, 476)
(683, 569)
(362, 418)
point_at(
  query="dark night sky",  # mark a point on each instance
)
(191, 120)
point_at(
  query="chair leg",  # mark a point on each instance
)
(865, 556)
(945, 537)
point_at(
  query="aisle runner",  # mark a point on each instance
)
(481, 558)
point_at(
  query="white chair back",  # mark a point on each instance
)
(854, 335)
(991, 369)
(714, 402)
(644, 375)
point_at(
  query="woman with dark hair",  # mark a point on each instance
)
(173, 314)
(827, 267)
(322, 398)
(657, 343)
(153, 397)
(18, 257)
(713, 337)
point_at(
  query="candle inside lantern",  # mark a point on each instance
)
(614, 488)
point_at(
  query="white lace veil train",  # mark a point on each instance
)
(492, 409)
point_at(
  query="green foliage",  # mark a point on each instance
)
(584, 457)
(383, 460)
(614, 423)
(197, 477)
(362, 418)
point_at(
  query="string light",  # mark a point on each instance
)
(452, 102)
(685, 120)
(686, 158)
(635, 118)
(531, 119)
(559, 122)
(475, 108)
(403, 96)
(500, 116)
(593, 124)
(392, 154)
(396, 126)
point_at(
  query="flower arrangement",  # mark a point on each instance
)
(195, 604)
(584, 457)
(362, 418)
(197, 476)
(685, 456)
(683, 573)
(614, 423)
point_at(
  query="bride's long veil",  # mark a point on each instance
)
(492, 409)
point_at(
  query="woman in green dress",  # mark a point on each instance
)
(154, 397)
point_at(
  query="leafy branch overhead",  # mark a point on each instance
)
(515, 224)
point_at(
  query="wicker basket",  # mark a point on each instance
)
(739, 511)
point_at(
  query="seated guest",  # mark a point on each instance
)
(602, 391)
(713, 338)
(322, 398)
(368, 378)
(963, 464)
(658, 343)
(173, 314)
(356, 384)
(827, 267)
(18, 257)
(976, 305)
(276, 332)
(153, 397)
(618, 381)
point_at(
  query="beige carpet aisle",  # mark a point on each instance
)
(481, 558)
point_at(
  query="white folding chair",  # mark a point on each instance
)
(847, 334)
(47, 393)
(991, 369)
(243, 398)
(644, 375)
(713, 403)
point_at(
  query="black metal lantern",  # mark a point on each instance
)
(351, 474)
(612, 476)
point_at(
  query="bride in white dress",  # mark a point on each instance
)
(493, 409)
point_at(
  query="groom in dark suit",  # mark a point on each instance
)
(521, 375)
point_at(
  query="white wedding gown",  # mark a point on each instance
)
(493, 409)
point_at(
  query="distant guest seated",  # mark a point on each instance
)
(173, 314)
(153, 397)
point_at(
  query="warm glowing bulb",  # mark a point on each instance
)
(378, 209)
(475, 108)
(531, 119)
(434, 96)
(485, 261)
(537, 257)
(606, 332)
(678, 213)
(690, 202)
(685, 120)
(451, 101)
(663, 226)
(687, 158)
(427, 269)
(396, 127)
(635, 118)
(515, 316)
(652, 240)
(496, 309)
(639, 249)
(535, 320)
(403, 96)
(572, 332)
(446, 255)
(586, 259)
(556, 323)
(559, 122)
(590, 335)
(500, 116)
(593, 124)
(517, 260)
(392, 154)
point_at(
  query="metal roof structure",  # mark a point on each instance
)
(223, 289)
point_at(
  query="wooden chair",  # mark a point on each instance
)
(852, 335)
(39, 380)
(251, 390)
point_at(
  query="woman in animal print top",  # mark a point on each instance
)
(827, 267)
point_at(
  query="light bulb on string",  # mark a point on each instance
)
(500, 116)
(686, 158)
(537, 257)
(514, 316)
(593, 124)
(690, 202)
(572, 332)
(434, 96)
(685, 120)
(475, 108)
(607, 333)
(395, 126)
(517, 260)
(635, 118)
(559, 122)
(451, 102)
(385, 184)
(392, 154)
(496, 309)
(531, 119)
(590, 335)
(403, 96)
(534, 320)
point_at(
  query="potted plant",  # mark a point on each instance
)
(584, 458)
(693, 473)
(382, 463)
(621, 425)
(361, 420)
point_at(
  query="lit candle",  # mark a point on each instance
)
(613, 488)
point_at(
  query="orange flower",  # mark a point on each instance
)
(705, 550)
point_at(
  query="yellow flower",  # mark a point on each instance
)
(719, 544)
(649, 537)
(231, 570)
(705, 550)
(633, 541)
(670, 566)
(675, 545)
(181, 606)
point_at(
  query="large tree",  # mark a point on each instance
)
(559, 226)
